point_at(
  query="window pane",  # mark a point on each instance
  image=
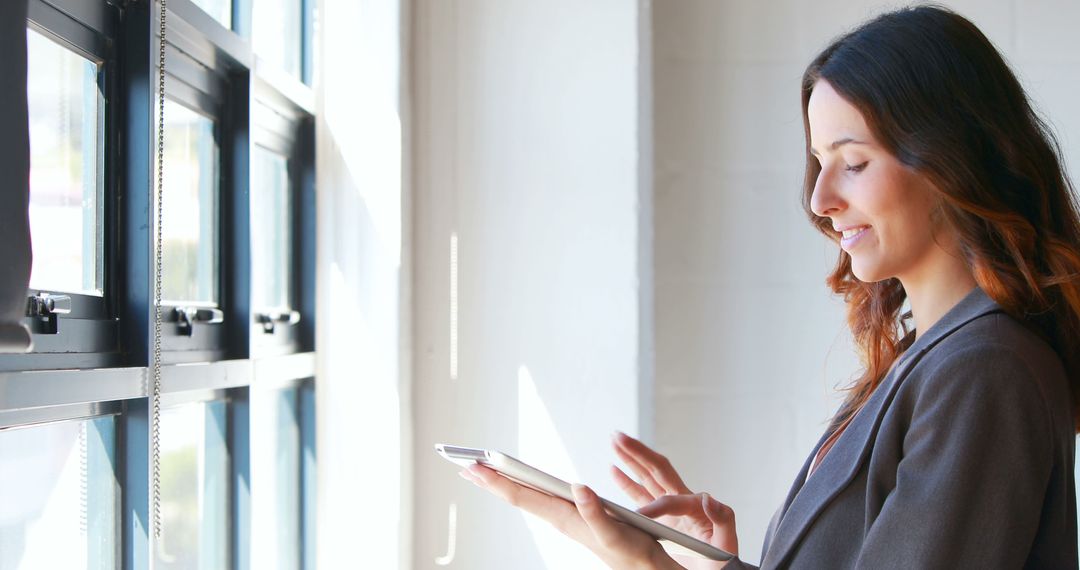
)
(194, 486)
(65, 115)
(221, 10)
(271, 234)
(58, 493)
(190, 211)
(275, 480)
(276, 33)
(307, 473)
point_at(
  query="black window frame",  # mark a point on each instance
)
(286, 129)
(89, 335)
(207, 78)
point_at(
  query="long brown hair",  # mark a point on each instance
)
(939, 97)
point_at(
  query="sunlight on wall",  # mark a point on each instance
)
(539, 444)
(361, 40)
(453, 306)
(451, 538)
(363, 444)
(362, 471)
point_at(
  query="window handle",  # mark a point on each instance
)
(271, 319)
(45, 304)
(48, 307)
(186, 317)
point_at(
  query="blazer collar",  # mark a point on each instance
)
(807, 498)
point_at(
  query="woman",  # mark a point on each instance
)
(954, 449)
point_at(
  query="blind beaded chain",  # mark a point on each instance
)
(155, 408)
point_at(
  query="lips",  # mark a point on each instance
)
(851, 235)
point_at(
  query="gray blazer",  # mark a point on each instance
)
(962, 458)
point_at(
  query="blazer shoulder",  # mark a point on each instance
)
(998, 357)
(994, 339)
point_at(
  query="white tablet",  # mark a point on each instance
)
(672, 540)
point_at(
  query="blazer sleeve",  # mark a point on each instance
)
(977, 457)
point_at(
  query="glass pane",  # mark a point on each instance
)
(276, 33)
(307, 473)
(65, 115)
(221, 10)
(194, 486)
(58, 488)
(271, 233)
(275, 480)
(190, 211)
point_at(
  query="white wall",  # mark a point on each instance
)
(526, 148)
(362, 426)
(749, 343)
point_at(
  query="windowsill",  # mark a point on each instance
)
(43, 388)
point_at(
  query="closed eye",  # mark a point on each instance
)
(856, 168)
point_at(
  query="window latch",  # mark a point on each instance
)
(272, 319)
(186, 317)
(48, 308)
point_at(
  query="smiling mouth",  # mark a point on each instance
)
(852, 235)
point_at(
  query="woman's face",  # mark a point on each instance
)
(882, 208)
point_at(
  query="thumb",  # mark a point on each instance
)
(588, 505)
(722, 518)
(718, 513)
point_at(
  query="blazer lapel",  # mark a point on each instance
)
(806, 500)
(800, 479)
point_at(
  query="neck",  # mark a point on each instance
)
(937, 289)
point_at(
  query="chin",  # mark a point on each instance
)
(868, 273)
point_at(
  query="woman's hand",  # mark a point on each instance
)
(661, 494)
(618, 545)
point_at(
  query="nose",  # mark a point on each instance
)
(826, 201)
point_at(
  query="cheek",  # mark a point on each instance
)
(906, 204)
(881, 197)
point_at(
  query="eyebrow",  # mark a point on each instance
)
(837, 144)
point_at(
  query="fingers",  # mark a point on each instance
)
(637, 493)
(561, 514)
(648, 482)
(654, 469)
(607, 531)
(674, 505)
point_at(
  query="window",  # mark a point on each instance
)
(271, 231)
(57, 486)
(194, 487)
(237, 424)
(277, 27)
(190, 220)
(66, 108)
(276, 492)
(220, 10)
(279, 198)
(198, 297)
(71, 311)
